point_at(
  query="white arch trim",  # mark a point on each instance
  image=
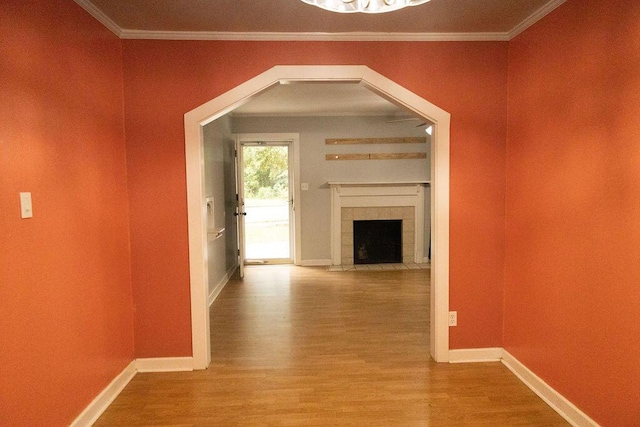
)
(194, 121)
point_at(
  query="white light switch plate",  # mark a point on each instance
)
(304, 186)
(25, 205)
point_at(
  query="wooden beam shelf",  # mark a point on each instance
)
(393, 156)
(347, 157)
(351, 141)
(376, 156)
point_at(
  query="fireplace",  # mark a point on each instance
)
(360, 201)
(377, 241)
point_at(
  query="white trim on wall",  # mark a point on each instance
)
(535, 17)
(221, 284)
(473, 355)
(308, 36)
(96, 408)
(194, 121)
(558, 402)
(550, 396)
(93, 411)
(101, 17)
(165, 364)
(316, 36)
(554, 399)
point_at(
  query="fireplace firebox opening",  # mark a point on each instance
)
(377, 241)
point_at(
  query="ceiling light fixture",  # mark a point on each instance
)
(364, 6)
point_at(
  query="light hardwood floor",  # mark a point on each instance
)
(297, 346)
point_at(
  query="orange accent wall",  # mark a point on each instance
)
(572, 277)
(66, 313)
(554, 280)
(166, 79)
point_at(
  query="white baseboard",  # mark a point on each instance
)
(165, 364)
(555, 400)
(558, 402)
(221, 284)
(470, 355)
(551, 397)
(315, 262)
(92, 412)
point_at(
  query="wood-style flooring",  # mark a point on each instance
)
(295, 346)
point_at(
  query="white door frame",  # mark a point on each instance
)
(293, 141)
(240, 212)
(194, 121)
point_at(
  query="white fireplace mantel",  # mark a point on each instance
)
(376, 194)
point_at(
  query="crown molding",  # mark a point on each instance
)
(100, 16)
(287, 36)
(535, 17)
(358, 37)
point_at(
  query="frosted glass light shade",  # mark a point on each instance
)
(364, 6)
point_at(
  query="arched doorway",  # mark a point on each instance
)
(227, 102)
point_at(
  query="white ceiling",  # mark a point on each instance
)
(319, 99)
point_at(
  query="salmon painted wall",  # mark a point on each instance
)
(572, 277)
(166, 79)
(66, 313)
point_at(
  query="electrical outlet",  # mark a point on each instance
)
(453, 318)
(26, 207)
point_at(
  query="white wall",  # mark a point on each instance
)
(220, 184)
(316, 171)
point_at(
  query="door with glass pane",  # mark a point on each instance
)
(265, 202)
